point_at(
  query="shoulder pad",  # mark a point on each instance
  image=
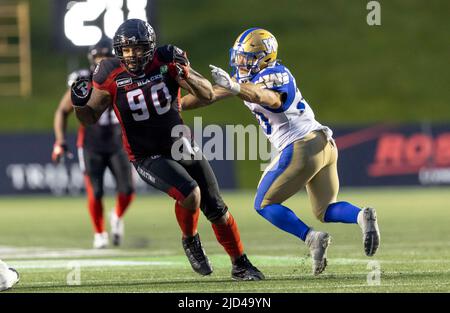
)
(104, 69)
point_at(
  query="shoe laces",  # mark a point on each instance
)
(195, 246)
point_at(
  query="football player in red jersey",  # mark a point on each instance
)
(142, 84)
(99, 147)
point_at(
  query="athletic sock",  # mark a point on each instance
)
(122, 203)
(342, 212)
(228, 236)
(95, 207)
(187, 220)
(96, 211)
(283, 218)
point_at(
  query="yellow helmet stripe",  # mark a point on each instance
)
(247, 32)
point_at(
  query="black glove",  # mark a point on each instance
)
(181, 62)
(81, 91)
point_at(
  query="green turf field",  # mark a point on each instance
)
(49, 239)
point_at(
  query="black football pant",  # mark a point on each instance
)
(95, 165)
(179, 178)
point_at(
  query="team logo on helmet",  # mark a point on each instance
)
(253, 50)
(132, 33)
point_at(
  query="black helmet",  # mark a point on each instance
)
(102, 48)
(135, 32)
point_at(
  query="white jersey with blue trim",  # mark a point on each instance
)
(294, 119)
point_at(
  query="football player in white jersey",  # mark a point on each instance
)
(307, 153)
(8, 276)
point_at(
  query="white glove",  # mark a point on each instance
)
(8, 277)
(224, 80)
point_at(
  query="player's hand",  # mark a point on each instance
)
(60, 153)
(181, 62)
(224, 80)
(81, 91)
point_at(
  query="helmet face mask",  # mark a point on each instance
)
(134, 45)
(246, 64)
(253, 50)
(136, 57)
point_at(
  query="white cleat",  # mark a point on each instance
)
(318, 243)
(8, 276)
(101, 240)
(117, 228)
(367, 220)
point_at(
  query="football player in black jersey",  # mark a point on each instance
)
(99, 147)
(142, 84)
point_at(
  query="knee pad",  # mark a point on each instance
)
(213, 212)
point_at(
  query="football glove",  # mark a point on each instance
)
(81, 91)
(224, 80)
(181, 62)
(60, 152)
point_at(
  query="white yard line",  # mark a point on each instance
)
(45, 253)
(69, 264)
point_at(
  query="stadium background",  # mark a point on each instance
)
(350, 73)
(354, 76)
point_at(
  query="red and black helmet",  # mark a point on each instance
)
(135, 32)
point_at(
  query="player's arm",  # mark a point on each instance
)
(60, 119)
(89, 102)
(60, 125)
(196, 85)
(188, 78)
(251, 92)
(190, 102)
(256, 94)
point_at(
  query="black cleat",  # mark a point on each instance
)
(243, 269)
(196, 255)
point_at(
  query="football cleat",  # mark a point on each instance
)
(318, 243)
(8, 277)
(101, 240)
(196, 255)
(117, 228)
(367, 220)
(243, 269)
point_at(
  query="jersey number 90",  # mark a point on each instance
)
(138, 105)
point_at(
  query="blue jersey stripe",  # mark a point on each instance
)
(271, 176)
(289, 89)
(248, 31)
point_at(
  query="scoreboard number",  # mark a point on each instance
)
(79, 14)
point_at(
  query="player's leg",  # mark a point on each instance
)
(222, 221)
(170, 177)
(121, 169)
(93, 165)
(8, 276)
(323, 190)
(285, 176)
